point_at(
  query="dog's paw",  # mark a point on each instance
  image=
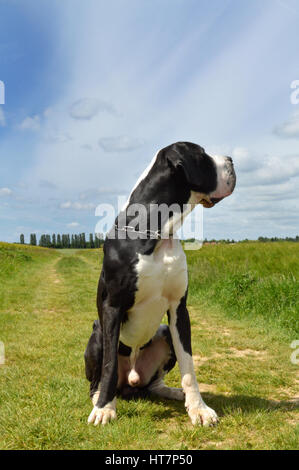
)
(102, 415)
(177, 394)
(204, 416)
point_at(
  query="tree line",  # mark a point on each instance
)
(65, 240)
(96, 241)
(277, 239)
(260, 239)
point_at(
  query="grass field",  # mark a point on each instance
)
(244, 312)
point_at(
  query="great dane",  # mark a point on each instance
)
(144, 276)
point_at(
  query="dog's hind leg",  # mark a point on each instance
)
(158, 359)
(159, 389)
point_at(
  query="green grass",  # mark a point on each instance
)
(242, 301)
(258, 281)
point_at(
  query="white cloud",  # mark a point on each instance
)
(270, 170)
(278, 170)
(47, 184)
(290, 128)
(260, 171)
(73, 224)
(290, 5)
(86, 146)
(2, 118)
(96, 193)
(5, 192)
(31, 123)
(58, 137)
(243, 161)
(87, 108)
(120, 144)
(48, 112)
(77, 205)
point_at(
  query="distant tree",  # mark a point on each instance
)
(22, 239)
(99, 240)
(58, 244)
(42, 240)
(82, 240)
(48, 241)
(54, 240)
(33, 239)
(91, 242)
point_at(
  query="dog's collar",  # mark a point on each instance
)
(155, 234)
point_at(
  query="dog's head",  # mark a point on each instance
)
(212, 178)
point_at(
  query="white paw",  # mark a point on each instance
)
(102, 415)
(203, 415)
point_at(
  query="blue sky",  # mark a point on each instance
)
(93, 89)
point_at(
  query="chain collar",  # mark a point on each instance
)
(128, 228)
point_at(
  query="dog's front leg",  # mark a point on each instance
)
(180, 330)
(105, 408)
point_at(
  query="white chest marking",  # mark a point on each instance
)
(162, 279)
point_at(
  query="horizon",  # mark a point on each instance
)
(89, 94)
(261, 238)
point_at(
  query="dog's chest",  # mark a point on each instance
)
(161, 281)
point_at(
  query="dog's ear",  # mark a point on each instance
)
(187, 158)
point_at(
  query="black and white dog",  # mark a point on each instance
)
(144, 276)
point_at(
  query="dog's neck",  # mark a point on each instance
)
(161, 201)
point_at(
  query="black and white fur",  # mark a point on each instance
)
(129, 352)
